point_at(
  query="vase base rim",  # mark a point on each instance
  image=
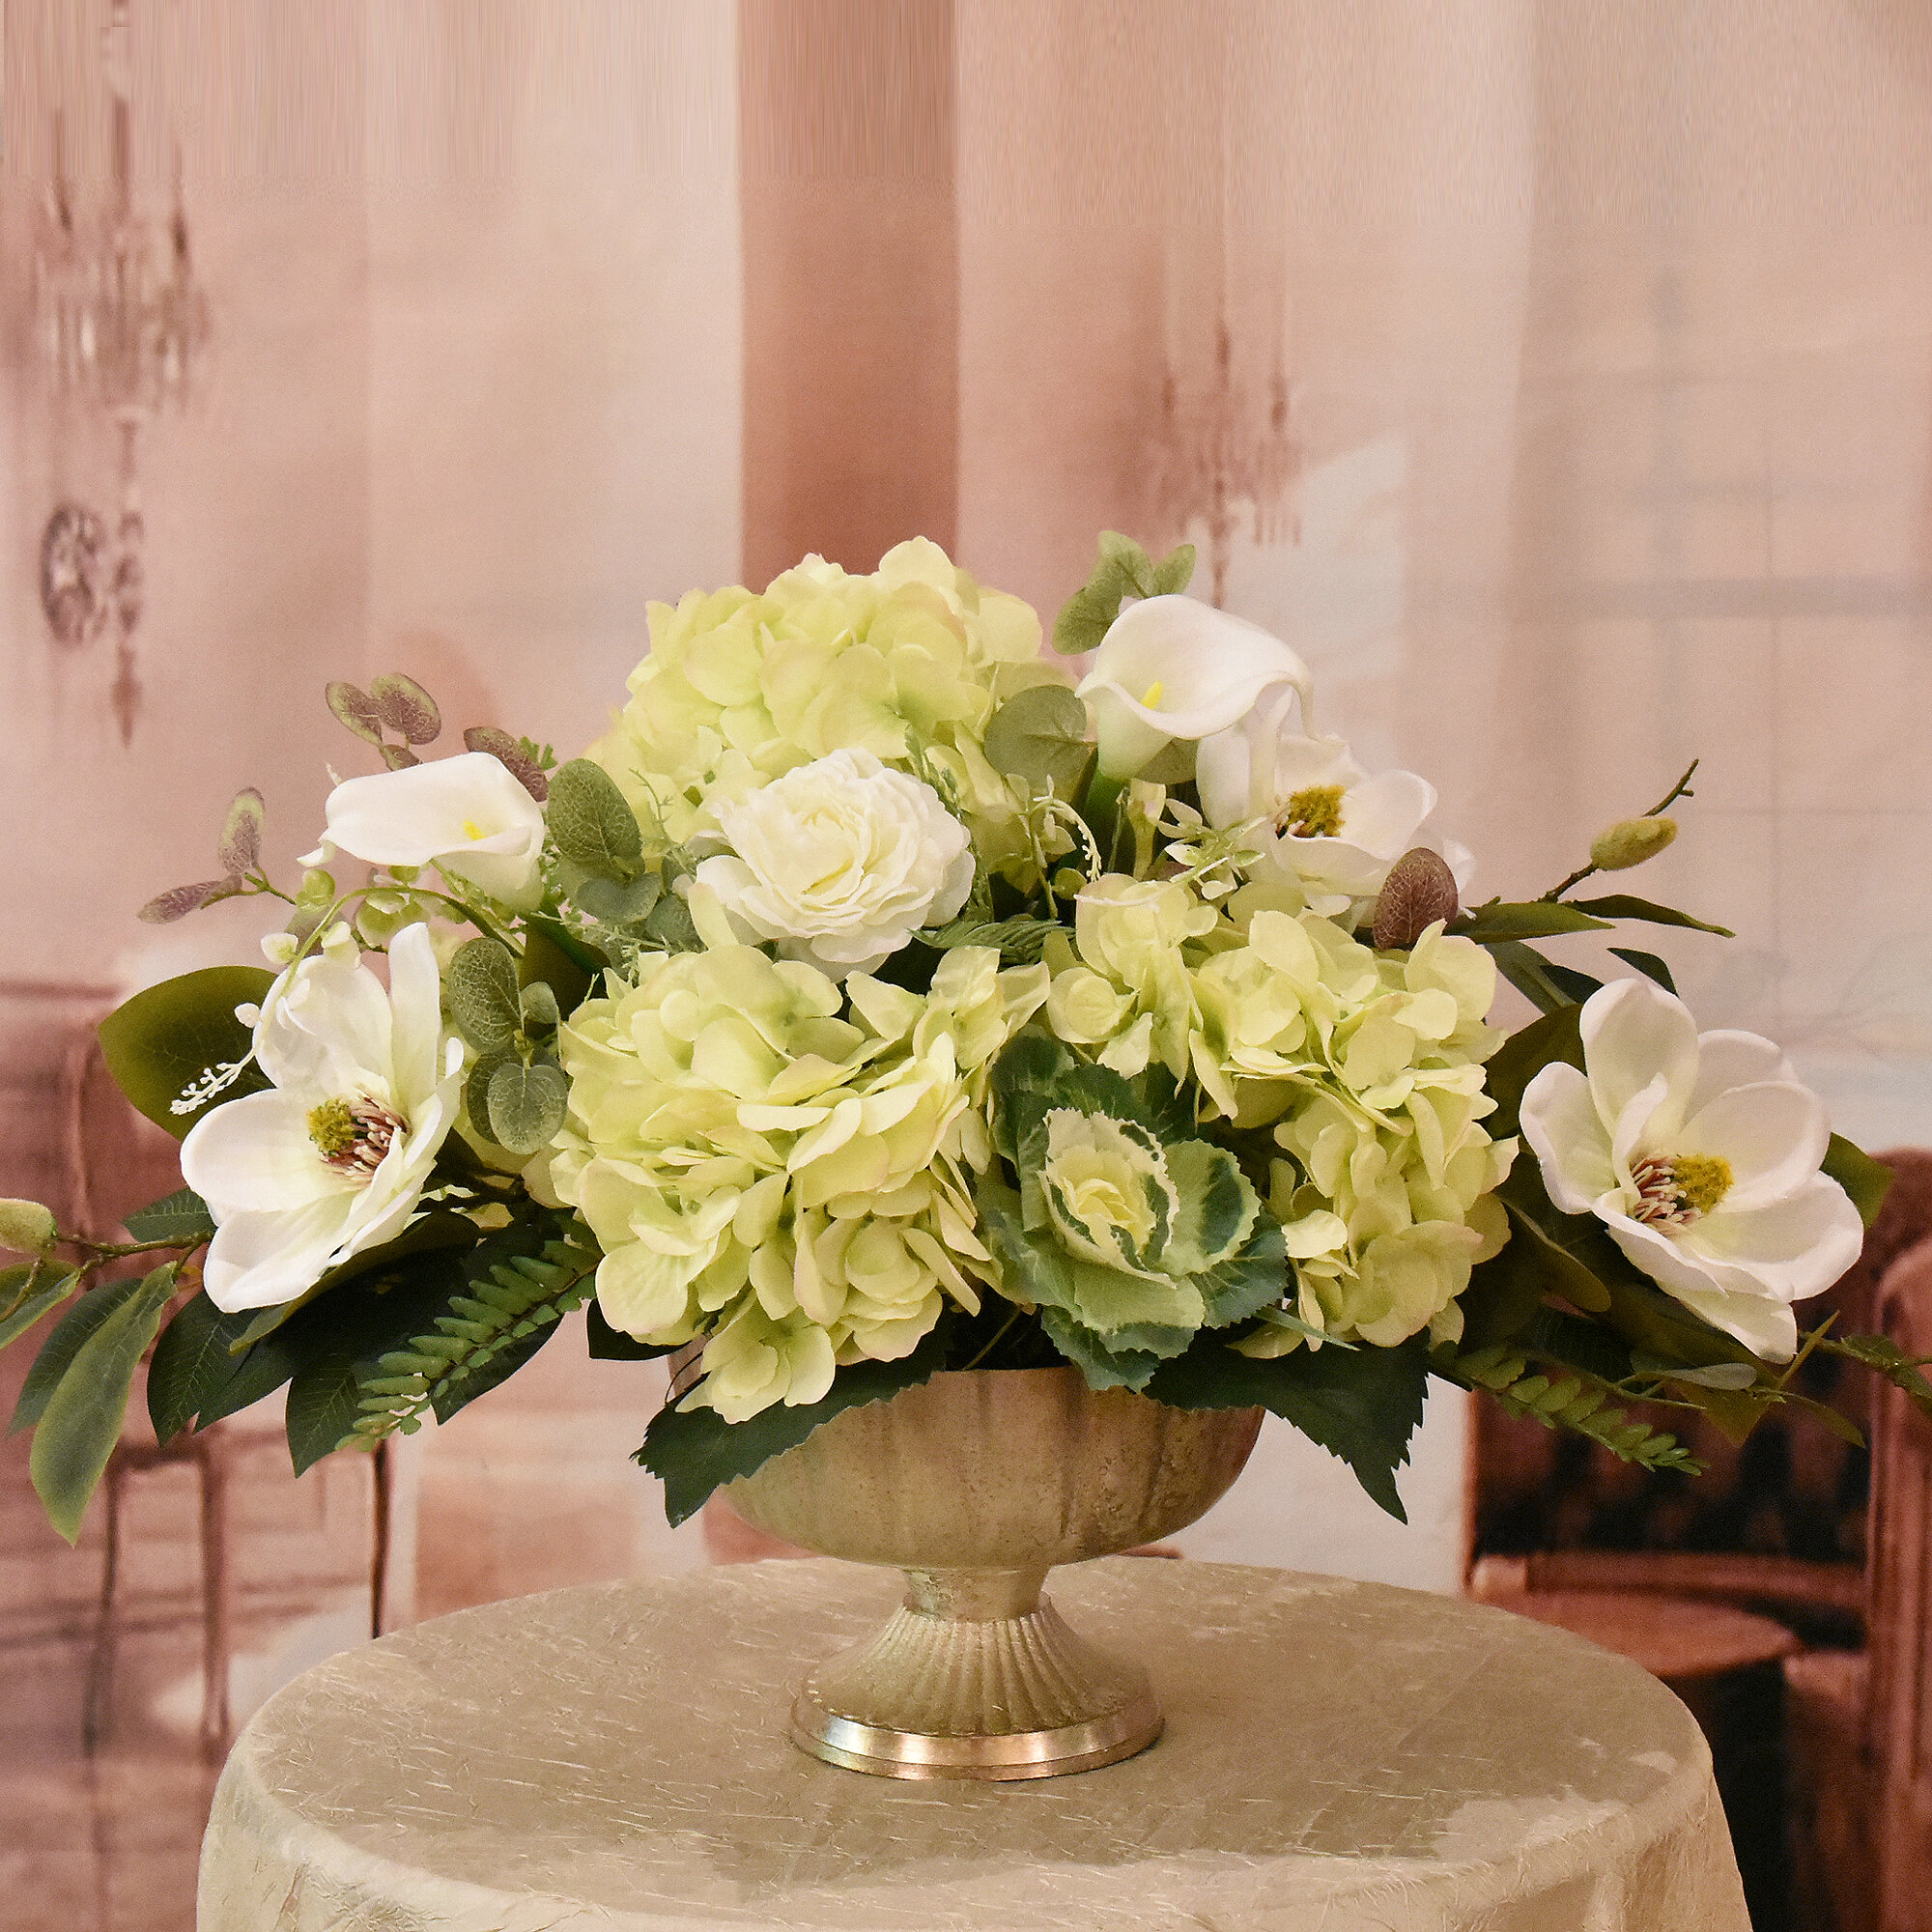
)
(994, 1758)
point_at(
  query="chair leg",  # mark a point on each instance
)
(216, 1639)
(379, 1559)
(96, 1709)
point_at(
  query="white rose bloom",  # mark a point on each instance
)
(467, 815)
(334, 1158)
(840, 860)
(1700, 1153)
(1175, 667)
(1329, 826)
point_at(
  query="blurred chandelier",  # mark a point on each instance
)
(122, 326)
(1225, 449)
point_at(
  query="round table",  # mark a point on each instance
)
(1338, 1756)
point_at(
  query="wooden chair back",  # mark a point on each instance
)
(1898, 1716)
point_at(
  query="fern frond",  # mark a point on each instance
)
(1566, 1401)
(515, 1297)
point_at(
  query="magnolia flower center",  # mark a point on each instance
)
(353, 1136)
(1315, 812)
(1674, 1190)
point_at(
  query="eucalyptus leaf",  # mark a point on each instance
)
(527, 1104)
(590, 823)
(80, 1423)
(405, 707)
(1040, 735)
(1175, 571)
(540, 1008)
(696, 1451)
(1626, 905)
(671, 926)
(481, 990)
(165, 1039)
(616, 901)
(476, 1089)
(241, 847)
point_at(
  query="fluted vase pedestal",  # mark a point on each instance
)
(976, 1484)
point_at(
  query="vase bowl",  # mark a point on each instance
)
(975, 1484)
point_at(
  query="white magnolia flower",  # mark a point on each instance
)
(1327, 824)
(1175, 667)
(332, 1159)
(840, 860)
(467, 815)
(1700, 1153)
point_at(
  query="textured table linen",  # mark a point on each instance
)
(1338, 1756)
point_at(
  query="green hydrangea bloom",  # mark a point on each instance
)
(742, 1132)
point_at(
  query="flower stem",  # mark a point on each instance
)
(1681, 789)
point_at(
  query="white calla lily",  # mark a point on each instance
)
(333, 1157)
(469, 817)
(1328, 825)
(1700, 1153)
(1173, 667)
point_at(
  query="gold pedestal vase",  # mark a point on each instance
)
(975, 1484)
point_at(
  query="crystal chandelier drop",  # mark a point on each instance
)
(122, 326)
(1223, 450)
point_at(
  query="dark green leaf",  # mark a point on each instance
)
(1361, 1405)
(450, 1397)
(1624, 905)
(671, 926)
(1865, 1180)
(527, 1104)
(1577, 985)
(180, 1216)
(81, 1420)
(1648, 964)
(1563, 1270)
(480, 991)
(611, 1345)
(1112, 1361)
(1531, 975)
(31, 1291)
(590, 824)
(326, 1395)
(565, 965)
(193, 1364)
(1521, 1058)
(1040, 735)
(696, 1451)
(1539, 919)
(164, 1039)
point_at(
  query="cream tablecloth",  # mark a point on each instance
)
(1338, 1756)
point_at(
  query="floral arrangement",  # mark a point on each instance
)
(875, 999)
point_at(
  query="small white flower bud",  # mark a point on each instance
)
(1629, 842)
(26, 1227)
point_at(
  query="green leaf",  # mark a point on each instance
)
(326, 1394)
(1041, 736)
(193, 1363)
(476, 1088)
(540, 1008)
(450, 1397)
(590, 824)
(1112, 1361)
(527, 1104)
(1361, 1406)
(1648, 964)
(1624, 905)
(1539, 919)
(1865, 1180)
(560, 961)
(166, 1039)
(180, 1216)
(63, 1345)
(611, 1345)
(671, 925)
(1563, 1270)
(696, 1451)
(30, 1292)
(480, 991)
(1121, 569)
(81, 1420)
